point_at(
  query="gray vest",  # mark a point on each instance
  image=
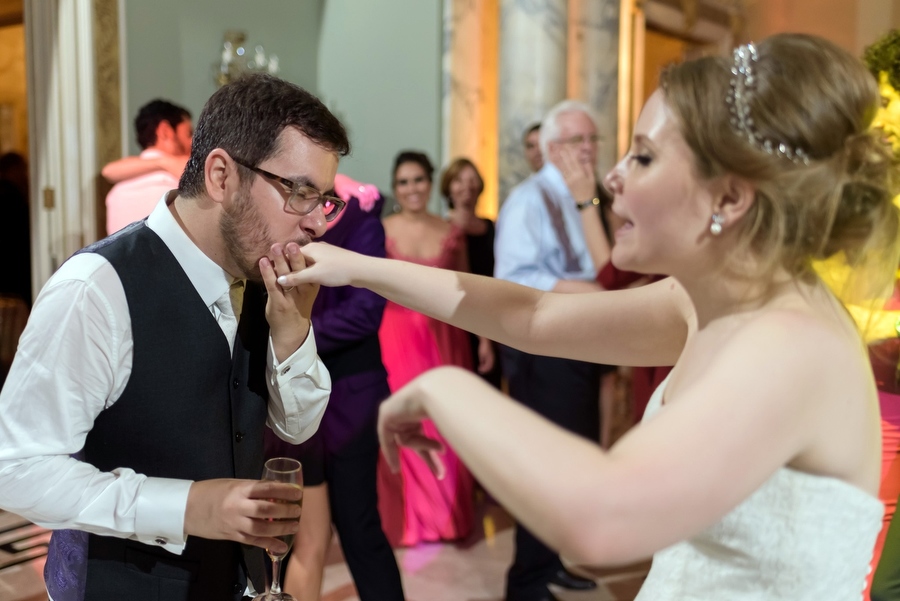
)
(188, 411)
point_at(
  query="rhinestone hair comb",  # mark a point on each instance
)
(743, 84)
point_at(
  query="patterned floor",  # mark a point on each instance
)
(469, 571)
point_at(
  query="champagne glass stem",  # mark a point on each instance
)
(276, 576)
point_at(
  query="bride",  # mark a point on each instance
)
(754, 474)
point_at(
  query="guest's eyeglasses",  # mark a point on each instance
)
(302, 199)
(579, 140)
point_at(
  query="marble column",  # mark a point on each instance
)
(533, 39)
(469, 93)
(593, 68)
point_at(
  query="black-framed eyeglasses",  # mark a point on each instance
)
(581, 139)
(302, 199)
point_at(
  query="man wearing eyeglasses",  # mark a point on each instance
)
(540, 243)
(132, 421)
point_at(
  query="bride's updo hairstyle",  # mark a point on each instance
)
(791, 115)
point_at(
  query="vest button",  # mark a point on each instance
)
(239, 436)
(235, 383)
(238, 588)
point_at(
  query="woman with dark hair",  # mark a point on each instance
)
(415, 505)
(461, 187)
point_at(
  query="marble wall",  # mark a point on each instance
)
(533, 42)
(469, 90)
(593, 68)
(547, 50)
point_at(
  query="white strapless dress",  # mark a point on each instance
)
(799, 537)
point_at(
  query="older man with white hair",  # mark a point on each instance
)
(541, 243)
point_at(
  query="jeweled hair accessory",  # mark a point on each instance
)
(743, 84)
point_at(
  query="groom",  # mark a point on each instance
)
(159, 355)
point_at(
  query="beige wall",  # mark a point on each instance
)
(377, 65)
(379, 70)
(852, 24)
(12, 90)
(875, 17)
(171, 46)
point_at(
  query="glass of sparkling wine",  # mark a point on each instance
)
(281, 469)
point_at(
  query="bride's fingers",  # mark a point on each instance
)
(391, 451)
(427, 448)
(296, 278)
(419, 441)
(412, 437)
(433, 460)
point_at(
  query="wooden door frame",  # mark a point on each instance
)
(697, 20)
(73, 123)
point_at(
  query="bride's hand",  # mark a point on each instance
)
(400, 425)
(325, 264)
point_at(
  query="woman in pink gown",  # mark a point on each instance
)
(415, 506)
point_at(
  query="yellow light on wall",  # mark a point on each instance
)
(471, 126)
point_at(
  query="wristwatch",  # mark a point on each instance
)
(595, 201)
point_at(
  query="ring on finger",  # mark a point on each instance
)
(288, 289)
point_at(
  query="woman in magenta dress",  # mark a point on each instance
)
(415, 506)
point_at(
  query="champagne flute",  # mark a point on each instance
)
(281, 469)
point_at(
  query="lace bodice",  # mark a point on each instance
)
(799, 537)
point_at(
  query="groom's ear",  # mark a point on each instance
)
(221, 175)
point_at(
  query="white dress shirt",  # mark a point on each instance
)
(527, 248)
(74, 360)
(133, 199)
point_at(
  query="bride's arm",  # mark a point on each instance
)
(644, 326)
(718, 439)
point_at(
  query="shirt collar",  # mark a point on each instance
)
(210, 280)
(553, 176)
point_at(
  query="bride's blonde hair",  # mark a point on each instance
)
(829, 192)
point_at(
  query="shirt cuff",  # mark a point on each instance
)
(159, 513)
(299, 388)
(299, 362)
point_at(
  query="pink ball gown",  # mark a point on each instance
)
(414, 505)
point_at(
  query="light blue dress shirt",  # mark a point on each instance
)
(527, 247)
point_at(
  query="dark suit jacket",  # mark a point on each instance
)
(346, 321)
